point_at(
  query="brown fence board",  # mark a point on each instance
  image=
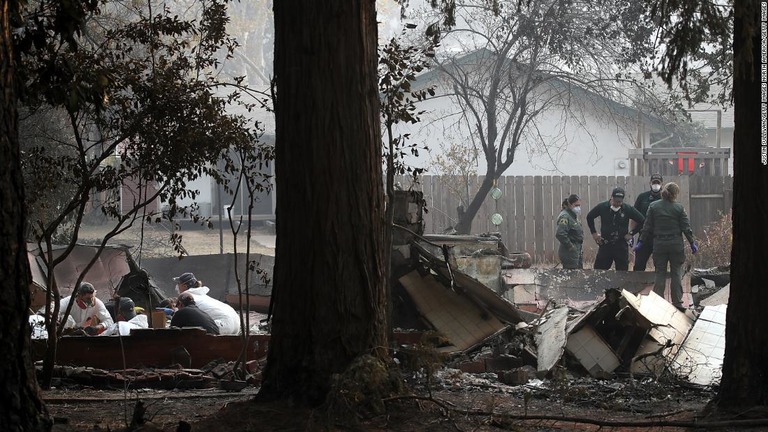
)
(530, 220)
(529, 206)
(520, 214)
(548, 225)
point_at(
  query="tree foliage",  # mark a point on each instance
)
(139, 103)
(514, 65)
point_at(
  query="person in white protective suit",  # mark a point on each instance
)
(225, 316)
(127, 319)
(88, 312)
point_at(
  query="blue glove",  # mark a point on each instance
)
(168, 311)
(638, 246)
(694, 248)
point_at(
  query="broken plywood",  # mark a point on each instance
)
(550, 339)
(463, 323)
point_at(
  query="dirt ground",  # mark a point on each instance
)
(153, 241)
(460, 402)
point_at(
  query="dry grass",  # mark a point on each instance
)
(714, 245)
(154, 241)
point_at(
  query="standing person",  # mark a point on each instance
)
(666, 223)
(88, 313)
(225, 316)
(189, 315)
(570, 233)
(641, 205)
(614, 230)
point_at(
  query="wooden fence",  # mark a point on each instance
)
(529, 206)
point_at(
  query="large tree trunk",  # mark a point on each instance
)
(745, 366)
(22, 406)
(328, 298)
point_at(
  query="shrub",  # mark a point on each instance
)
(714, 244)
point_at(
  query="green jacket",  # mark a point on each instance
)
(569, 231)
(614, 225)
(666, 220)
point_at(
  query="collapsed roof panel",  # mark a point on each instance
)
(469, 286)
(550, 339)
(700, 359)
(668, 329)
(463, 323)
(593, 352)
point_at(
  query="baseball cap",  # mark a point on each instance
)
(618, 193)
(187, 279)
(86, 288)
(656, 178)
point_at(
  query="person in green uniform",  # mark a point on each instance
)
(614, 236)
(641, 204)
(666, 223)
(570, 233)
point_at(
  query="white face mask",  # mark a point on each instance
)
(577, 209)
(655, 187)
(614, 208)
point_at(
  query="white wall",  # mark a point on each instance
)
(588, 143)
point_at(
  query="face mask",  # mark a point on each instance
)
(84, 303)
(577, 209)
(614, 208)
(655, 187)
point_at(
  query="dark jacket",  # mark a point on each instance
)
(614, 225)
(645, 199)
(666, 221)
(569, 231)
(192, 316)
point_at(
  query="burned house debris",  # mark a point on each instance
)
(480, 307)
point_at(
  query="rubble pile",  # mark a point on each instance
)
(217, 374)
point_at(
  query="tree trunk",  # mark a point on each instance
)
(329, 304)
(745, 366)
(23, 408)
(465, 220)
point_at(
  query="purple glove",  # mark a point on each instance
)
(694, 248)
(638, 246)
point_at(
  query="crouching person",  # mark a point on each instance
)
(127, 319)
(88, 313)
(224, 315)
(189, 315)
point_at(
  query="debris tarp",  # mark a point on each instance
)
(105, 274)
